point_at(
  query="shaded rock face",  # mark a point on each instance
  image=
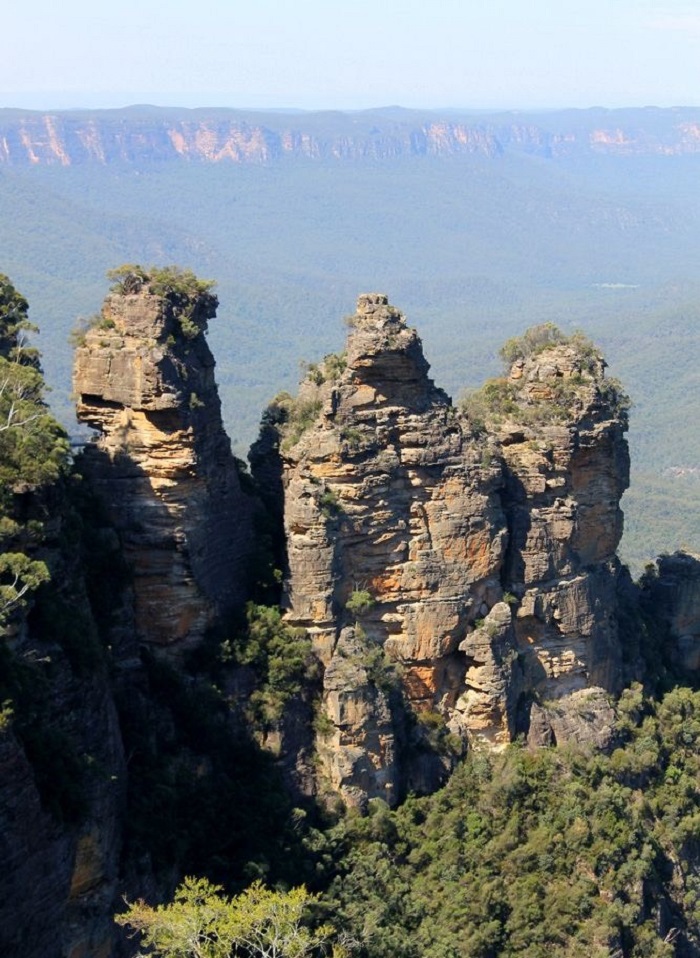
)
(407, 524)
(144, 378)
(672, 594)
(62, 763)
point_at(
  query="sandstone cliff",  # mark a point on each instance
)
(144, 379)
(148, 135)
(456, 571)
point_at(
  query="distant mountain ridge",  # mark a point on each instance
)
(151, 134)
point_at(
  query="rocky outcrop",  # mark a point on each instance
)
(560, 424)
(394, 536)
(149, 135)
(144, 379)
(470, 554)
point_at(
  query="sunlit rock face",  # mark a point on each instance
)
(144, 379)
(566, 467)
(457, 577)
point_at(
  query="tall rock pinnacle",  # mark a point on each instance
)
(144, 379)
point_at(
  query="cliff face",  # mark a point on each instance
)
(215, 136)
(671, 593)
(144, 378)
(62, 764)
(408, 524)
(561, 433)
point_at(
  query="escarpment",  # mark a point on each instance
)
(144, 378)
(455, 569)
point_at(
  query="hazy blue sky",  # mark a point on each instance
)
(332, 53)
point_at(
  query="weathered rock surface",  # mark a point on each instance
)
(387, 496)
(144, 378)
(412, 522)
(566, 467)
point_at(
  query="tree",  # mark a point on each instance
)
(201, 922)
(33, 446)
(19, 575)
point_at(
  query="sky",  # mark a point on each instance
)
(333, 54)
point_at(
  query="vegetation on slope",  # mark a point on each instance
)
(545, 854)
(562, 397)
(33, 451)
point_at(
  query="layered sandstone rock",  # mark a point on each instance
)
(560, 425)
(71, 138)
(394, 536)
(144, 379)
(408, 524)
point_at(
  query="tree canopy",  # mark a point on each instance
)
(201, 922)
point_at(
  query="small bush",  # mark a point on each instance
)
(359, 602)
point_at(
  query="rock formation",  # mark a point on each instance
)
(470, 556)
(561, 427)
(137, 136)
(144, 379)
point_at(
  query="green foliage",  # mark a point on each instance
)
(334, 364)
(7, 713)
(33, 451)
(14, 325)
(281, 656)
(537, 339)
(329, 370)
(330, 504)
(302, 415)
(202, 796)
(292, 417)
(437, 735)
(181, 287)
(360, 601)
(19, 577)
(496, 398)
(160, 280)
(548, 853)
(505, 398)
(33, 447)
(202, 922)
(85, 323)
(352, 436)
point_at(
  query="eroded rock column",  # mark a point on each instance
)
(144, 380)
